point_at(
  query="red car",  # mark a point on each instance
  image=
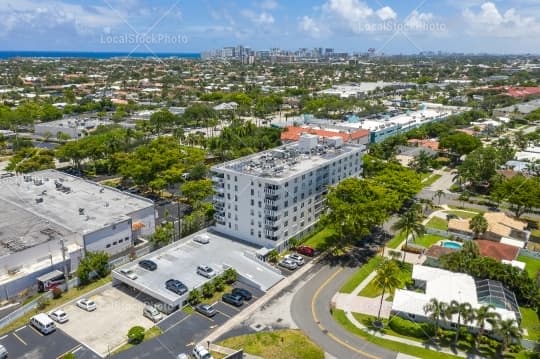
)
(307, 251)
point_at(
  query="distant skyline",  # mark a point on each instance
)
(389, 26)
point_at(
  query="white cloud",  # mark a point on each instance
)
(386, 13)
(351, 13)
(311, 27)
(418, 21)
(268, 4)
(262, 18)
(488, 20)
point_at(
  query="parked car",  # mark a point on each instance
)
(206, 309)
(3, 352)
(59, 316)
(206, 271)
(152, 313)
(200, 352)
(202, 239)
(296, 258)
(232, 299)
(148, 264)
(244, 293)
(43, 323)
(182, 356)
(287, 263)
(306, 250)
(175, 286)
(86, 304)
(129, 273)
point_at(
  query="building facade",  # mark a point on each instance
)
(272, 196)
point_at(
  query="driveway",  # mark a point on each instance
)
(106, 328)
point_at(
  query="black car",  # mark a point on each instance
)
(232, 299)
(206, 309)
(176, 286)
(244, 293)
(148, 265)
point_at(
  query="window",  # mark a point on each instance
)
(236, 188)
(236, 227)
(235, 179)
(120, 240)
(286, 203)
(114, 227)
(252, 222)
(252, 192)
(236, 207)
(252, 202)
(228, 177)
(286, 214)
(260, 204)
(251, 232)
(108, 246)
(235, 198)
(126, 239)
(114, 243)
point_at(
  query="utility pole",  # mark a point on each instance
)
(64, 260)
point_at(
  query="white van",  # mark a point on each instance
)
(43, 323)
(3, 352)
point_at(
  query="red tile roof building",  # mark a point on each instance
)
(498, 251)
(293, 133)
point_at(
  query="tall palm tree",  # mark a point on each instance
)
(440, 193)
(478, 224)
(386, 279)
(509, 331)
(470, 249)
(410, 224)
(464, 312)
(483, 315)
(437, 311)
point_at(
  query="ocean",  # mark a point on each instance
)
(92, 55)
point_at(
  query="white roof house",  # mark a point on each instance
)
(447, 286)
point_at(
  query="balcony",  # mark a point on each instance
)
(272, 238)
(219, 189)
(271, 190)
(219, 217)
(270, 202)
(270, 218)
(217, 179)
(271, 197)
(271, 228)
(270, 207)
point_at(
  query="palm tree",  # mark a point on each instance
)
(437, 310)
(464, 312)
(470, 249)
(478, 224)
(410, 224)
(509, 331)
(386, 279)
(440, 193)
(484, 314)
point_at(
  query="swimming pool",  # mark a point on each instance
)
(453, 245)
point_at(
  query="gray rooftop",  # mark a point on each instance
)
(287, 160)
(523, 107)
(65, 201)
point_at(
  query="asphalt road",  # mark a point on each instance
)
(311, 312)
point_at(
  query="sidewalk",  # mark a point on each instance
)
(229, 351)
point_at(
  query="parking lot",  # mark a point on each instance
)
(106, 328)
(181, 331)
(27, 343)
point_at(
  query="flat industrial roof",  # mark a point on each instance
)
(180, 260)
(285, 161)
(101, 205)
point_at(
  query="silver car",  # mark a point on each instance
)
(202, 239)
(296, 258)
(206, 271)
(288, 263)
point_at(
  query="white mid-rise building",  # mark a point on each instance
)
(269, 197)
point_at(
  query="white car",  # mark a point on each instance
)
(202, 239)
(129, 273)
(182, 356)
(59, 316)
(200, 352)
(296, 258)
(206, 271)
(86, 304)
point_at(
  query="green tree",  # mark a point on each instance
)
(230, 275)
(219, 284)
(161, 120)
(93, 264)
(521, 192)
(436, 311)
(486, 314)
(460, 143)
(31, 159)
(478, 224)
(208, 290)
(197, 191)
(136, 335)
(410, 223)
(481, 165)
(440, 193)
(421, 162)
(470, 249)
(465, 314)
(163, 235)
(273, 256)
(386, 279)
(509, 331)
(194, 297)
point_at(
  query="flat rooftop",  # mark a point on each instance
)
(287, 160)
(403, 120)
(180, 260)
(65, 201)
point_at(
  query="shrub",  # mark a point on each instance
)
(208, 290)
(194, 297)
(411, 329)
(136, 335)
(43, 302)
(230, 276)
(56, 292)
(219, 284)
(68, 356)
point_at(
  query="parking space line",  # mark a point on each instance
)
(175, 324)
(4, 337)
(21, 328)
(204, 316)
(228, 316)
(233, 307)
(37, 331)
(20, 339)
(72, 350)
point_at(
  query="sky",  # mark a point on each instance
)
(388, 26)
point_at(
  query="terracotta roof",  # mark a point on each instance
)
(522, 91)
(497, 250)
(461, 225)
(292, 133)
(438, 251)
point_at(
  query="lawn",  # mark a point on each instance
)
(438, 223)
(427, 240)
(532, 265)
(371, 290)
(462, 214)
(396, 241)
(530, 321)
(277, 344)
(360, 274)
(320, 239)
(53, 303)
(431, 180)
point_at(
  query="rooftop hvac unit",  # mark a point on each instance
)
(81, 211)
(307, 143)
(39, 200)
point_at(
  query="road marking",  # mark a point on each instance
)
(190, 344)
(330, 335)
(18, 337)
(233, 307)
(204, 316)
(21, 328)
(214, 326)
(4, 337)
(72, 350)
(37, 331)
(175, 324)
(228, 316)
